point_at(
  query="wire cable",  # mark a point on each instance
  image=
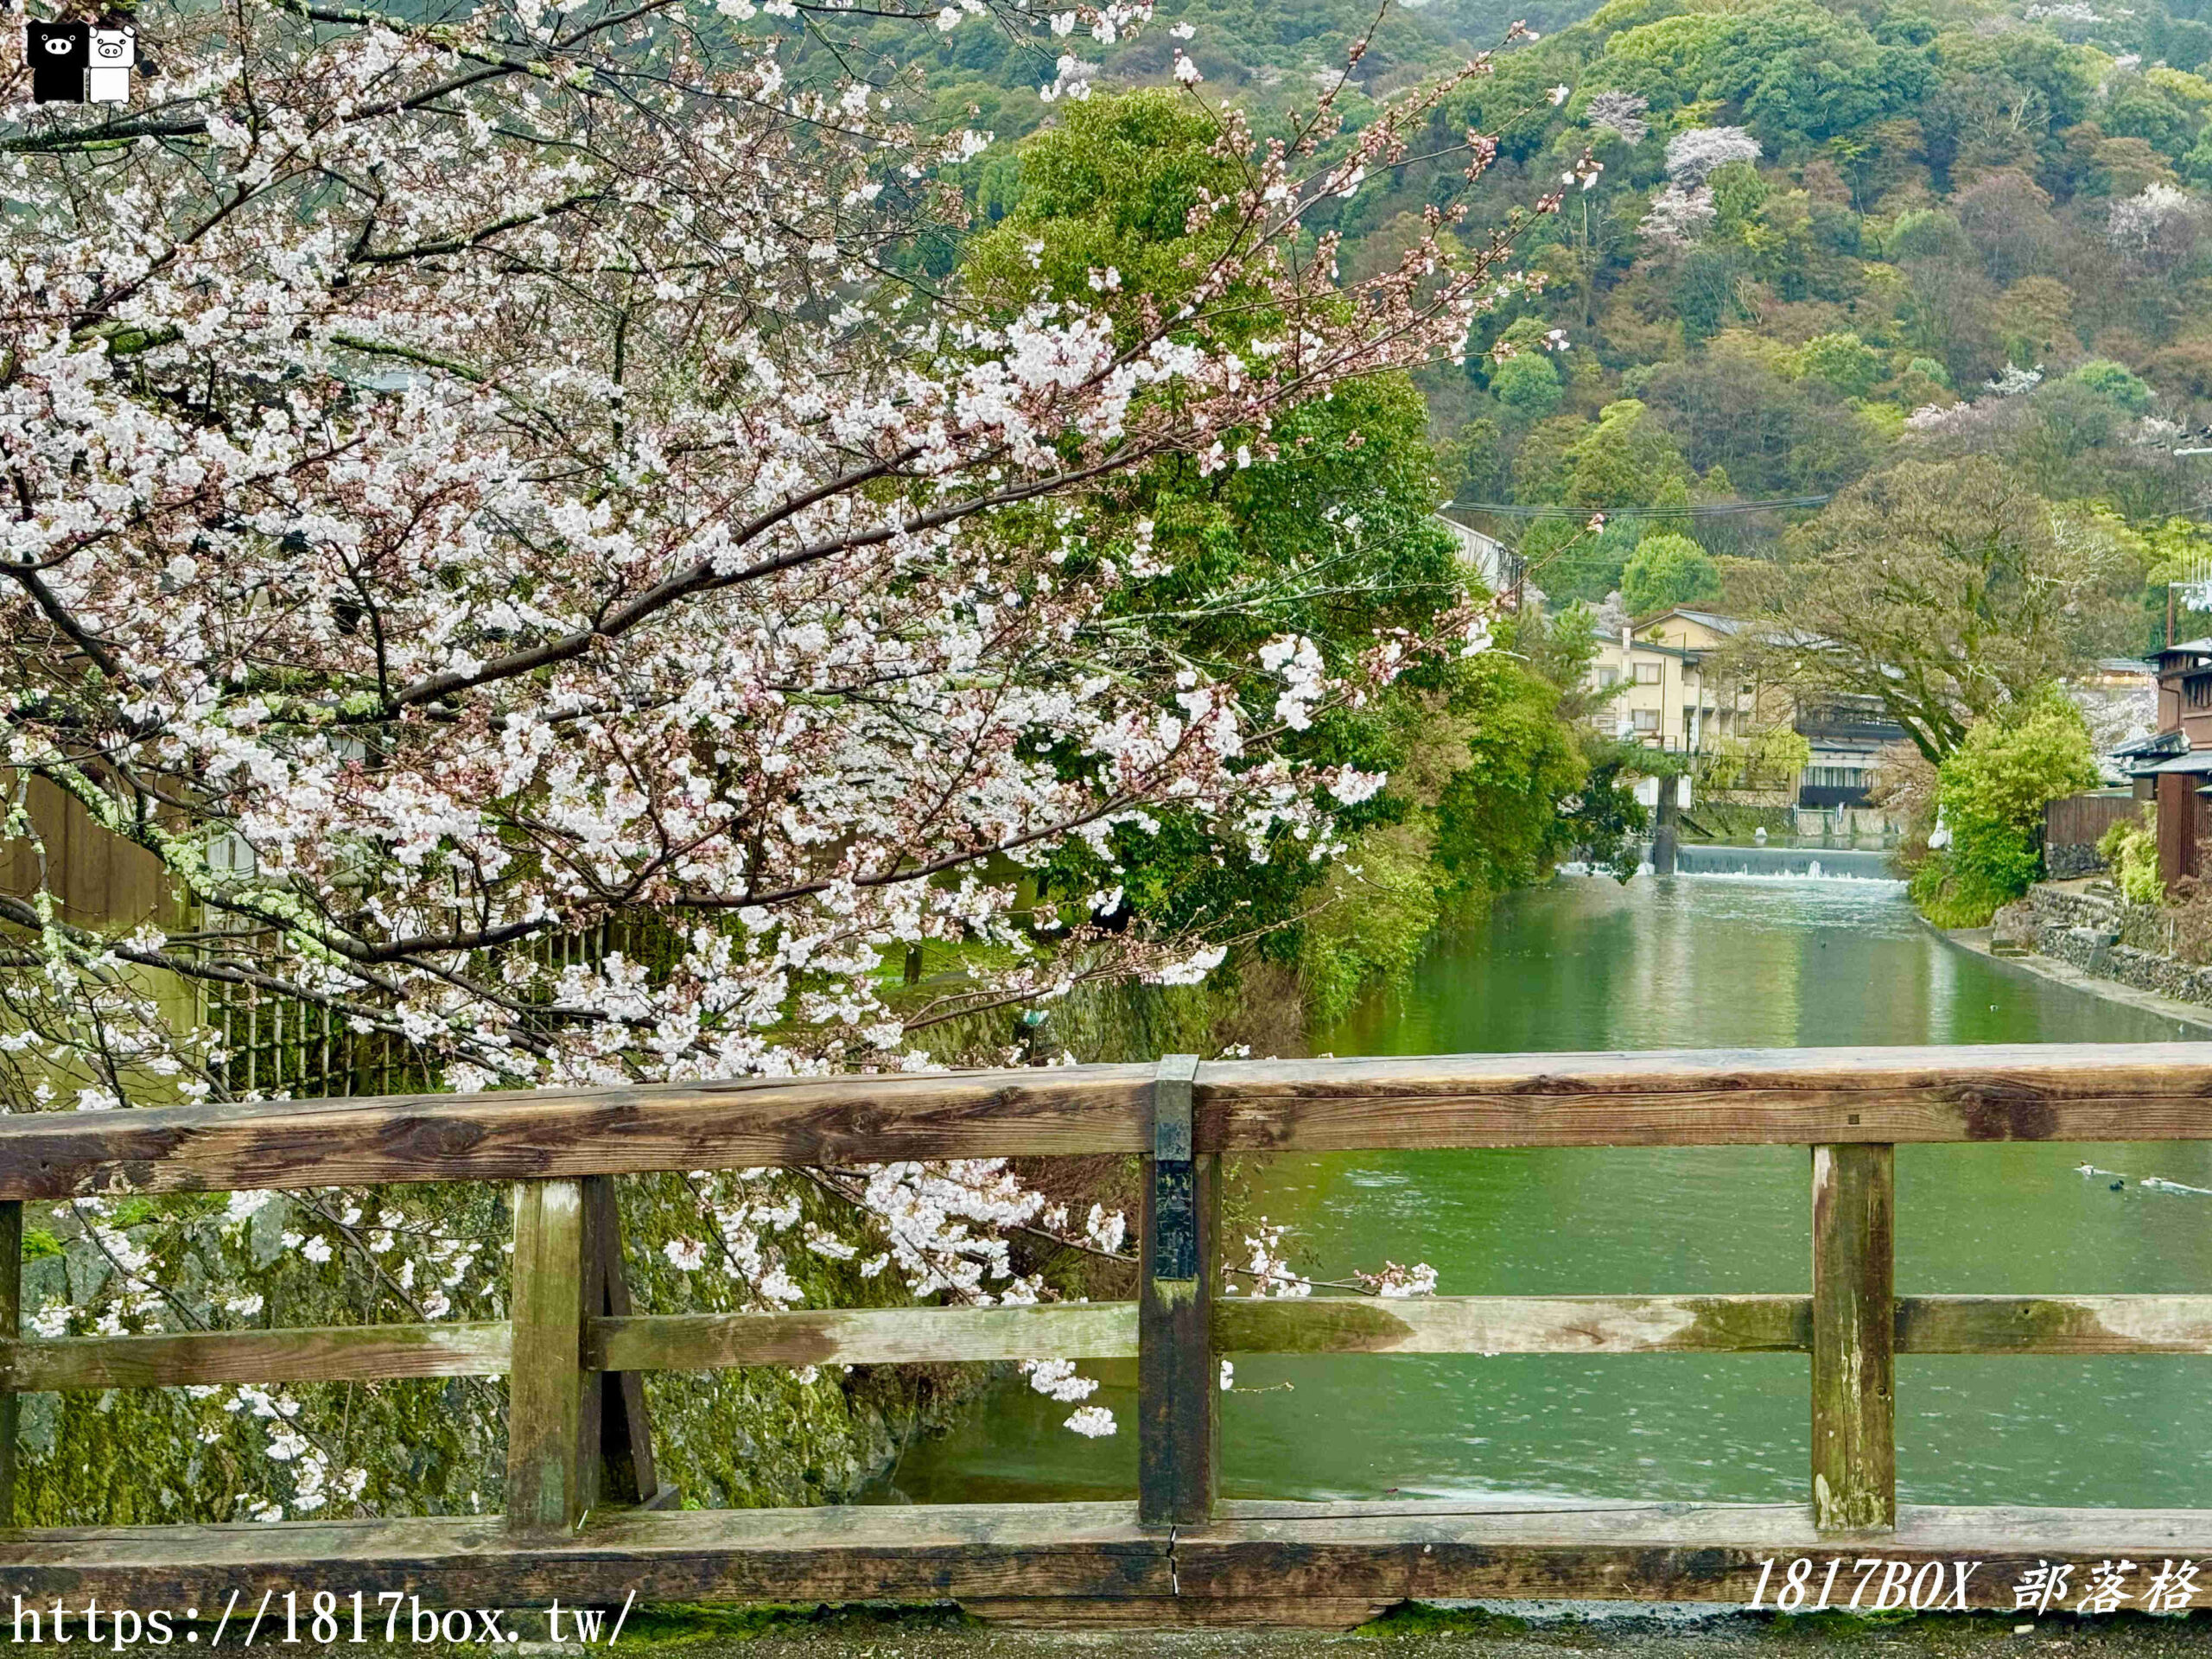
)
(1715, 510)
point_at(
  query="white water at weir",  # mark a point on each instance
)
(1707, 862)
(1801, 863)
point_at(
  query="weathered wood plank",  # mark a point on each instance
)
(1179, 1418)
(2054, 1324)
(863, 1336)
(1513, 1324)
(304, 1354)
(2148, 1091)
(1426, 1324)
(1178, 1613)
(839, 1553)
(553, 1403)
(2132, 1091)
(1854, 1338)
(2081, 1325)
(1656, 1553)
(545, 1133)
(1263, 1555)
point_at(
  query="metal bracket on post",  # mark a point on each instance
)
(1175, 1186)
(1177, 1422)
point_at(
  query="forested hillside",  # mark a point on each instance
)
(1826, 238)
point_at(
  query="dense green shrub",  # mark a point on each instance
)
(2130, 852)
(1992, 791)
(1842, 361)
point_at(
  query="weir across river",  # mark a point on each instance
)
(1833, 863)
(578, 1521)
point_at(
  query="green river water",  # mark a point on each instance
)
(1688, 961)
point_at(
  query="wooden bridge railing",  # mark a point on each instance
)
(572, 1348)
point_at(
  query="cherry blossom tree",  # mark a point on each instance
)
(1683, 209)
(1695, 154)
(1623, 114)
(473, 481)
(2157, 226)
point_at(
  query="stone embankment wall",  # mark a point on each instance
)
(2072, 828)
(2065, 860)
(2096, 931)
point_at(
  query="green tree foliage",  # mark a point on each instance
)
(1603, 818)
(1669, 569)
(1527, 385)
(1629, 459)
(1470, 462)
(1933, 201)
(1991, 789)
(1568, 562)
(1733, 407)
(1497, 823)
(2111, 382)
(1330, 538)
(1493, 784)
(1372, 914)
(1844, 363)
(1110, 188)
(1936, 206)
(1331, 535)
(1771, 759)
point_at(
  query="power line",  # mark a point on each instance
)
(1716, 510)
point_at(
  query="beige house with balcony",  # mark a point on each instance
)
(1673, 699)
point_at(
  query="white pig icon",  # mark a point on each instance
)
(114, 50)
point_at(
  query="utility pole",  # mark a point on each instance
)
(1666, 837)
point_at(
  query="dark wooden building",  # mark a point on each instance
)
(2173, 768)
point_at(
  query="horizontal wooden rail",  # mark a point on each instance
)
(864, 1336)
(1515, 1325)
(1002, 1557)
(1706, 1325)
(2147, 1091)
(311, 1354)
(1321, 1324)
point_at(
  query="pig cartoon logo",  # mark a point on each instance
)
(76, 63)
(60, 55)
(107, 79)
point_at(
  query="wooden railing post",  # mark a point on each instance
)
(11, 1314)
(626, 1436)
(553, 1403)
(1855, 1338)
(1178, 1413)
